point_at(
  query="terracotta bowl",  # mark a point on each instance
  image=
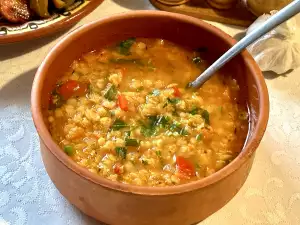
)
(117, 203)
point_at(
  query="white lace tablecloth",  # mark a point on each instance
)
(271, 195)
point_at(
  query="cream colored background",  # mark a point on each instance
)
(271, 195)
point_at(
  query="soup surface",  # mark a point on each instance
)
(124, 113)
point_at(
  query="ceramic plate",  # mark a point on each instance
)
(10, 33)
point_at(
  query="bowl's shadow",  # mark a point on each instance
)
(18, 90)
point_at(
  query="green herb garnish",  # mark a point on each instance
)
(145, 162)
(205, 116)
(69, 150)
(158, 153)
(176, 127)
(90, 88)
(204, 113)
(183, 132)
(119, 124)
(121, 151)
(124, 46)
(162, 121)
(148, 131)
(127, 134)
(150, 128)
(132, 142)
(56, 101)
(199, 137)
(111, 93)
(194, 110)
(173, 100)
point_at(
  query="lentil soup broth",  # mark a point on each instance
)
(123, 112)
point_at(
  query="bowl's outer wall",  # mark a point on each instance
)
(120, 207)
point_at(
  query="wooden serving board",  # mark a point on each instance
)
(238, 15)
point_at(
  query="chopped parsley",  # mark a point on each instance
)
(111, 93)
(131, 142)
(194, 111)
(156, 122)
(173, 100)
(127, 134)
(162, 121)
(183, 132)
(150, 129)
(69, 150)
(121, 152)
(175, 127)
(124, 46)
(199, 137)
(203, 112)
(55, 101)
(205, 116)
(145, 162)
(119, 124)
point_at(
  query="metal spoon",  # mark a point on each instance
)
(286, 13)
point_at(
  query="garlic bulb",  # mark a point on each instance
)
(279, 50)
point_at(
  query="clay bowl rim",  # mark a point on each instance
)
(245, 155)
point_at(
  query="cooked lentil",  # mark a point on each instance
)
(124, 113)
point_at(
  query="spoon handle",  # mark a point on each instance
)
(286, 13)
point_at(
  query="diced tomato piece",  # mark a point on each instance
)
(122, 102)
(185, 167)
(72, 88)
(176, 92)
(118, 168)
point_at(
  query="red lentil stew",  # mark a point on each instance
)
(124, 113)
